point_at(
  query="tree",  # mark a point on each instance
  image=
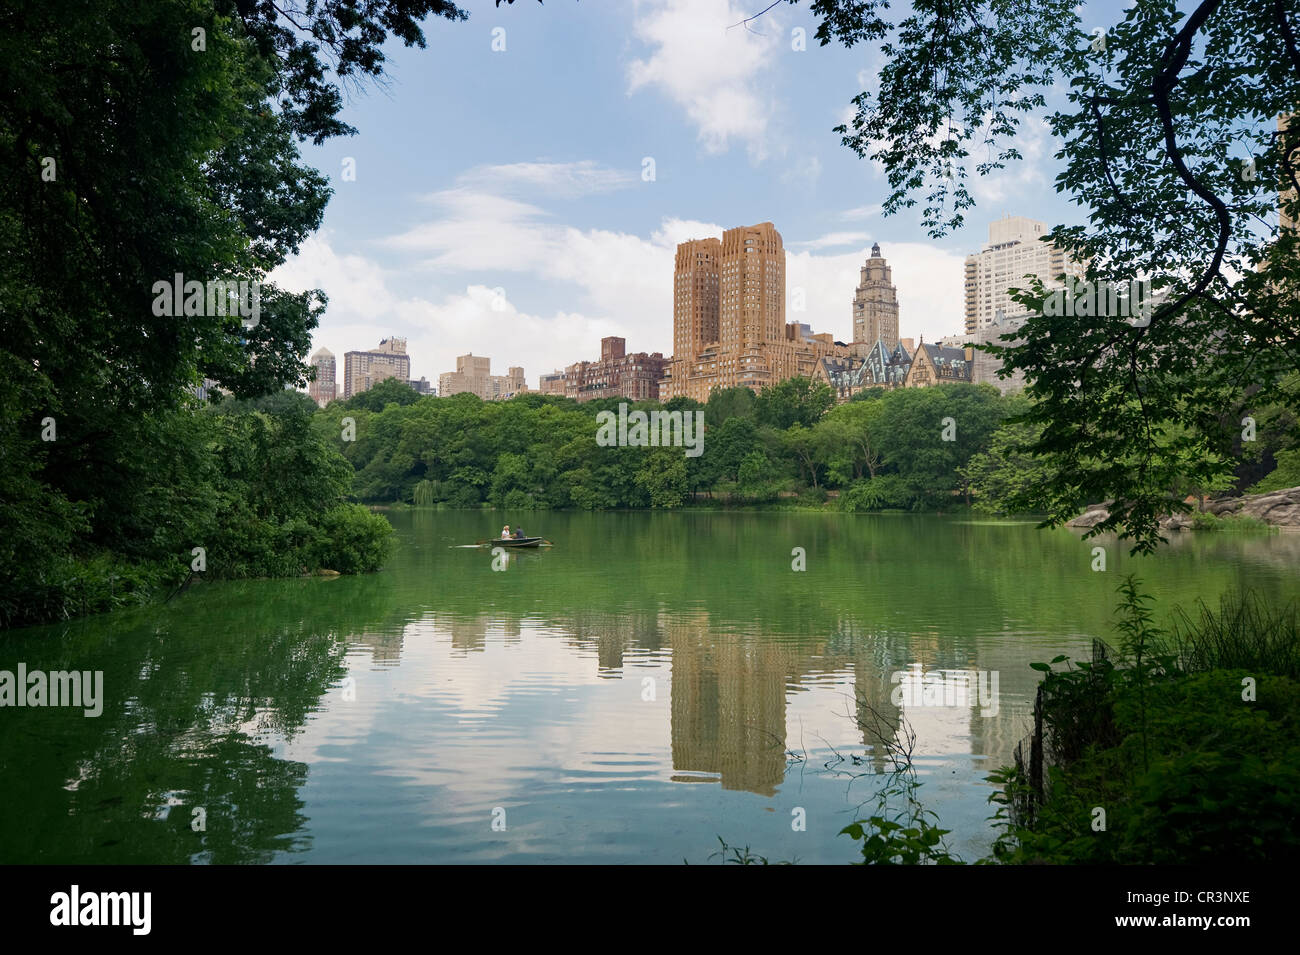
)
(662, 477)
(138, 143)
(755, 478)
(683, 404)
(804, 446)
(725, 403)
(1169, 138)
(726, 446)
(851, 439)
(796, 400)
(1007, 471)
(377, 397)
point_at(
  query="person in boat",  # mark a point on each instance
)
(505, 532)
(519, 533)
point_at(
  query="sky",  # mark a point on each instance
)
(524, 201)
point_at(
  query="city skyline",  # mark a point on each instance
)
(458, 237)
(874, 305)
(710, 324)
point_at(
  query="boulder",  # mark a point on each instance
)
(1090, 518)
(1276, 507)
(1281, 508)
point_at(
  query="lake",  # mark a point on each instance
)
(652, 683)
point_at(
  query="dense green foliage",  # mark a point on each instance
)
(904, 448)
(140, 142)
(1190, 745)
(1287, 473)
(1168, 136)
(260, 492)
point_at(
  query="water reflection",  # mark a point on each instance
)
(383, 718)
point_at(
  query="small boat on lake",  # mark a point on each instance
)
(515, 542)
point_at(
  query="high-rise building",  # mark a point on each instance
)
(751, 344)
(473, 374)
(421, 386)
(751, 287)
(875, 303)
(984, 367)
(362, 370)
(1014, 250)
(695, 295)
(508, 385)
(324, 388)
(616, 375)
(552, 383)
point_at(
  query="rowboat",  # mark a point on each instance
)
(514, 542)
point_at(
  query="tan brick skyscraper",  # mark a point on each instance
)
(751, 297)
(695, 296)
(729, 325)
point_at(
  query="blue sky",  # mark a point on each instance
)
(499, 204)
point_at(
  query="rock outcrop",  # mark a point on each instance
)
(1276, 507)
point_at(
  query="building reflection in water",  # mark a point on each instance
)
(730, 692)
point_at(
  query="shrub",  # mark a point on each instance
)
(518, 499)
(1287, 473)
(1205, 521)
(352, 540)
(877, 493)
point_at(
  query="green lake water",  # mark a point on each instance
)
(651, 683)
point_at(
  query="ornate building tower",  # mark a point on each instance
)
(875, 304)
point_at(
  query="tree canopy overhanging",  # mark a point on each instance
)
(145, 144)
(1170, 130)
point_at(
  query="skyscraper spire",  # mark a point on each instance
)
(875, 304)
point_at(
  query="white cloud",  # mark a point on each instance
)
(832, 239)
(1032, 140)
(477, 230)
(862, 212)
(804, 172)
(716, 71)
(624, 283)
(367, 305)
(555, 179)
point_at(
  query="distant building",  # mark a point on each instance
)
(552, 383)
(208, 388)
(473, 374)
(325, 388)
(938, 365)
(422, 386)
(881, 367)
(362, 370)
(984, 367)
(729, 327)
(875, 302)
(1014, 250)
(616, 375)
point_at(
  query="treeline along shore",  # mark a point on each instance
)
(952, 445)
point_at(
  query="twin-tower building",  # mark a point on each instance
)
(729, 316)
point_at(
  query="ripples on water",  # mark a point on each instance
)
(650, 684)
